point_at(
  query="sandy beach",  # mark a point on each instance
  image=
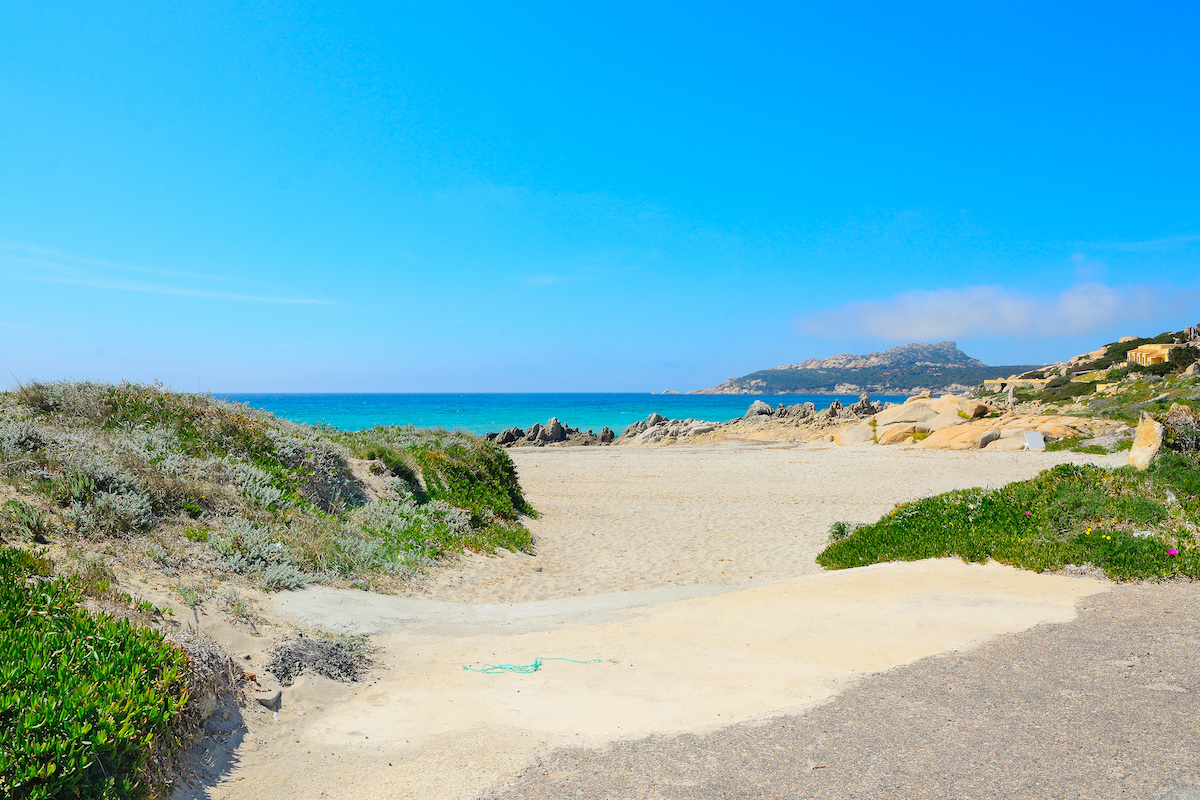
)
(729, 514)
(687, 572)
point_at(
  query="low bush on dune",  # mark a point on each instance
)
(458, 471)
(1128, 523)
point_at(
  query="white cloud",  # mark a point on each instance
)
(931, 315)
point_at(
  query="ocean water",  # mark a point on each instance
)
(484, 413)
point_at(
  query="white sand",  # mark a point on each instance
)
(630, 569)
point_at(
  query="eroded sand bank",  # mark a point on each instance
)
(629, 570)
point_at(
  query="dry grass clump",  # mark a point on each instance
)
(338, 658)
(214, 680)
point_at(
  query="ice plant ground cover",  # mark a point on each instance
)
(1130, 524)
(86, 701)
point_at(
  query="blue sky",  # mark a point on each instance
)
(584, 197)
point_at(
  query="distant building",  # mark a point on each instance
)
(1150, 354)
(1002, 384)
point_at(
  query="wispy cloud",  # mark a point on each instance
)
(542, 279)
(1087, 268)
(1146, 245)
(42, 265)
(1001, 311)
(576, 274)
(165, 289)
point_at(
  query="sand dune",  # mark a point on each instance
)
(687, 571)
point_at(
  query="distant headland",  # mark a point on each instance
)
(915, 367)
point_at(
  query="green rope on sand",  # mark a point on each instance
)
(524, 669)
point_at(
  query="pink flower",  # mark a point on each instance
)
(1027, 513)
(1172, 552)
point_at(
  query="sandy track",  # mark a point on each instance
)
(730, 514)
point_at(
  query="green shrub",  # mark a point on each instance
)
(1067, 509)
(1178, 472)
(1067, 390)
(1165, 368)
(1115, 519)
(425, 531)
(283, 576)
(196, 534)
(1183, 357)
(84, 700)
(399, 463)
(1073, 444)
(840, 530)
(478, 477)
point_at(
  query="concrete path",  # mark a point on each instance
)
(1104, 706)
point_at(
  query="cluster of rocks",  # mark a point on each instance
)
(947, 422)
(959, 423)
(835, 414)
(552, 434)
(656, 428)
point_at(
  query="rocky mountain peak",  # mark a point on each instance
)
(917, 354)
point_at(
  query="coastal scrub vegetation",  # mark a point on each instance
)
(1129, 393)
(222, 487)
(1130, 524)
(93, 699)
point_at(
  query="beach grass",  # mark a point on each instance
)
(1130, 524)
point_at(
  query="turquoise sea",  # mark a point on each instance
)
(484, 413)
